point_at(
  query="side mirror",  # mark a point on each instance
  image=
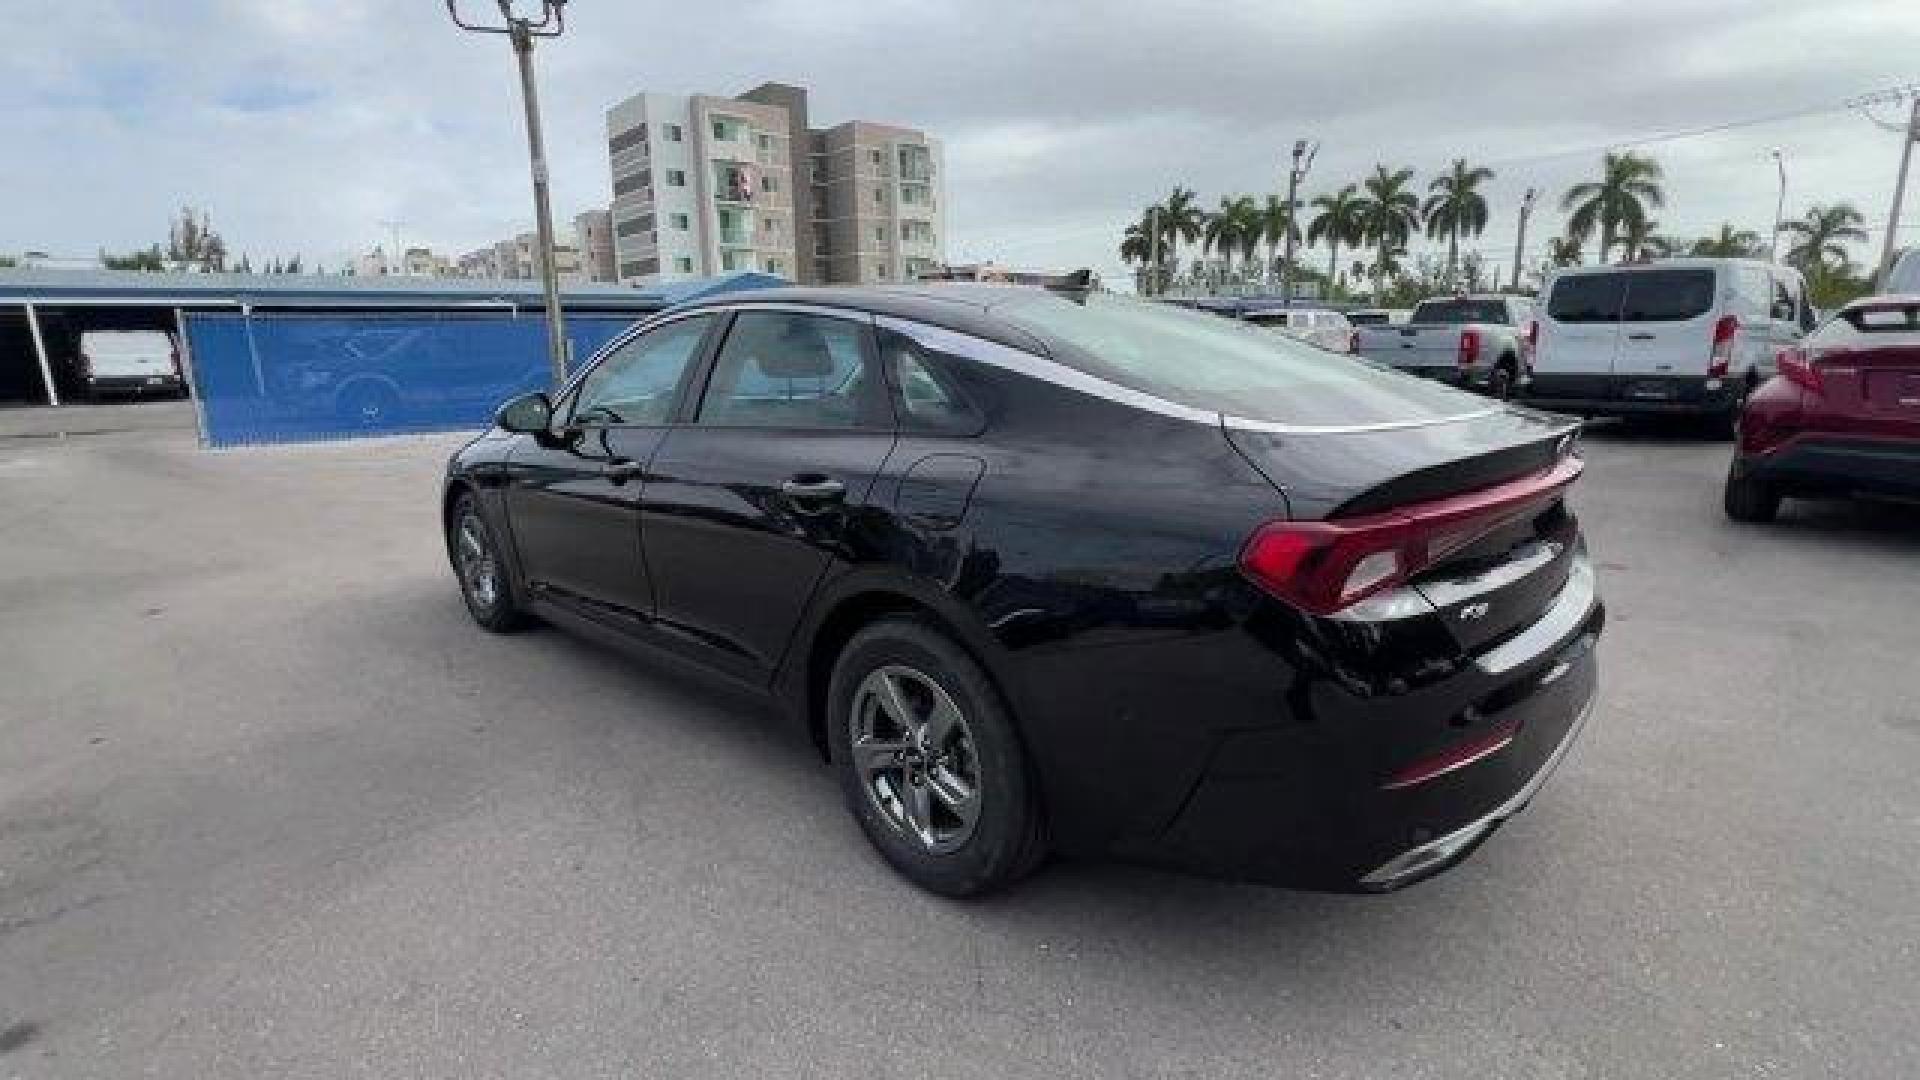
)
(527, 414)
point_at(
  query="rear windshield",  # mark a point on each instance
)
(1230, 367)
(1452, 312)
(1880, 324)
(1673, 294)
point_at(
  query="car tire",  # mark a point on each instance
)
(485, 584)
(1750, 499)
(1502, 379)
(929, 761)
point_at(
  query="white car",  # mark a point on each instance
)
(135, 362)
(1676, 336)
(1316, 326)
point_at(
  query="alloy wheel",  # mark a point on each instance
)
(479, 574)
(915, 757)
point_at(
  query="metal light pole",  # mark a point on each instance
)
(521, 31)
(1779, 207)
(1520, 241)
(1303, 154)
(1908, 136)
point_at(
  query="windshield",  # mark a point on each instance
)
(1463, 310)
(1205, 362)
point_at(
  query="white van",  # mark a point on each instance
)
(1670, 336)
(135, 362)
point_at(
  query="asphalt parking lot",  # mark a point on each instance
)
(271, 806)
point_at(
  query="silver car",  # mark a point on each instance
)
(1316, 326)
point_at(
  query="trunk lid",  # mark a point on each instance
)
(1495, 576)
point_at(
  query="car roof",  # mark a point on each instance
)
(962, 306)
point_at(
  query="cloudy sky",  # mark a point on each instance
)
(303, 124)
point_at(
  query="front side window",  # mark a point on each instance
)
(635, 384)
(783, 369)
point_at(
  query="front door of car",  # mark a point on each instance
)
(573, 497)
(746, 507)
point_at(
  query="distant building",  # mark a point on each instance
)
(593, 235)
(713, 185)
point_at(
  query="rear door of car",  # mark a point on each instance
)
(1580, 334)
(753, 493)
(1666, 327)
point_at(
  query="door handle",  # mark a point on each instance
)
(812, 487)
(1640, 337)
(619, 472)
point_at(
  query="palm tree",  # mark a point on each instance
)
(1389, 214)
(1628, 186)
(1277, 225)
(1138, 244)
(1456, 206)
(1233, 227)
(1729, 243)
(1180, 219)
(1338, 222)
(1823, 237)
(1643, 241)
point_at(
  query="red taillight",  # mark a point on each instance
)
(1458, 756)
(1533, 340)
(1325, 566)
(1469, 347)
(1797, 368)
(1723, 332)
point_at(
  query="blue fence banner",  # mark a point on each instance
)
(268, 377)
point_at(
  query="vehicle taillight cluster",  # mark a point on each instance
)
(1325, 566)
(1469, 347)
(1797, 367)
(1722, 359)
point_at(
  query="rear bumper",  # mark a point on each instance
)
(1313, 806)
(134, 384)
(1631, 395)
(1827, 464)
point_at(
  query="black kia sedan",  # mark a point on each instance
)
(1067, 572)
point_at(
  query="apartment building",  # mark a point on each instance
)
(707, 185)
(593, 237)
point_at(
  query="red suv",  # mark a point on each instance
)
(1841, 418)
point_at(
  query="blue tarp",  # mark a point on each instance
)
(295, 377)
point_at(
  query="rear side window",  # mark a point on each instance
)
(1229, 367)
(1674, 295)
(1587, 298)
(1453, 312)
(930, 398)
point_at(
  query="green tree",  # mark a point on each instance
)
(1564, 251)
(192, 242)
(149, 261)
(1235, 227)
(1338, 222)
(1729, 243)
(1389, 215)
(1628, 187)
(1277, 227)
(1137, 245)
(1822, 238)
(1642, 240)
(292, 266)
(1456, 206)
(1181, 219)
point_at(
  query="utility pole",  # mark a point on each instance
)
(1779, 207)
(521, 31)
(1303, 155)
(1908, 136)
(1520, 241)
(1153, 248)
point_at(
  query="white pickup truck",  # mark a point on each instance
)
(1474, 341)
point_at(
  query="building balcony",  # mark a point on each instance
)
(736, 237)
